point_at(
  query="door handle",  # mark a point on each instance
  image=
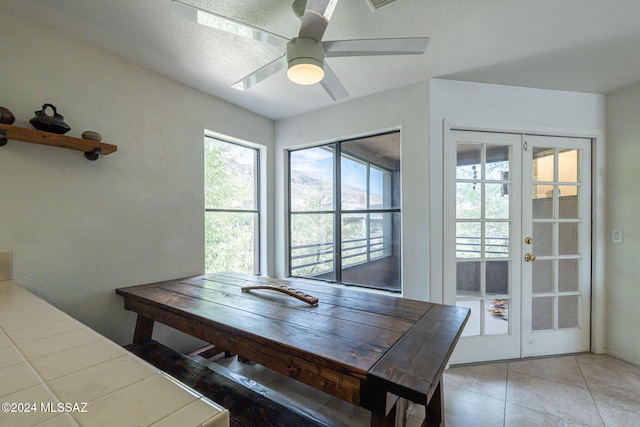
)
(529, 258)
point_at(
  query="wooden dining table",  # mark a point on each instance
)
(365, 348)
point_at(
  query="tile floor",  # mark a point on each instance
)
(568, 391)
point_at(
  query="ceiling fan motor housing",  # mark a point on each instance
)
(305, 58)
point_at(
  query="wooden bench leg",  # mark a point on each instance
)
(402, 408)
(144, 330)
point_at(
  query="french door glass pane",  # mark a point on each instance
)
(568, 307)
(543, 313)
(568, 201)
(468, 239)
(543, 276)
(230, 242)
(568, 238)
(312, 246)
(542, 202)
(469, 161)
(497, 201)
(568, 161)
(468, 199)
(497, 278)
(568, 275)
(542, 238)
(497, 166)
(468, 279)
(543, 164)
(472, 328)
(497, 318)
(496, 239)
(311, 179)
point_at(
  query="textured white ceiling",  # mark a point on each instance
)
(576, 45)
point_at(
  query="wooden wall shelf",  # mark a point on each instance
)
(91, 149)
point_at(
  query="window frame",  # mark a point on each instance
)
(337, 212)
(258, 200)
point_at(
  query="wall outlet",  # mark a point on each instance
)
(616, 235)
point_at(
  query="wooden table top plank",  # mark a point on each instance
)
(345, 354)
(291, 311)
(405, 369)
(343, 301)
(127, 290)
(326, 288)
(327, 308)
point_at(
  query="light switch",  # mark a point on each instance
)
(616, 235)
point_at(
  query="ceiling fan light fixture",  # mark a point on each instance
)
(305, 59)
(304, 71)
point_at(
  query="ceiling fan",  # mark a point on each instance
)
(305, 55)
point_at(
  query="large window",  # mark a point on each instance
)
(344, 212)
(231, 201)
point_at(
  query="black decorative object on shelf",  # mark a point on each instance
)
(6, 116)
(54, 124)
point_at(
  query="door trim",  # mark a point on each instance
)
(598, 203)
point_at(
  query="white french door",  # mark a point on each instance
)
(517, 243)
(556, 274)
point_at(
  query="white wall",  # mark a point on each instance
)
(79, 229)
(405, 109)
(521, 110)
(623, 205)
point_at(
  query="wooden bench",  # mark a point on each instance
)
(249, 403)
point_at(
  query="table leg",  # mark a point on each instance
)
(396, 416)
(435, 409)
(144, 330)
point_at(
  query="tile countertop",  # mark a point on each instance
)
(55, 371)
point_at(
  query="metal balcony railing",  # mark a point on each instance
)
(354, 251)
(471, 246)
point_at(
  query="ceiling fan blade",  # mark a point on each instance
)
(406, 46)
(317, 14)
(219, 22)
(261, 74)
(332, 85)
